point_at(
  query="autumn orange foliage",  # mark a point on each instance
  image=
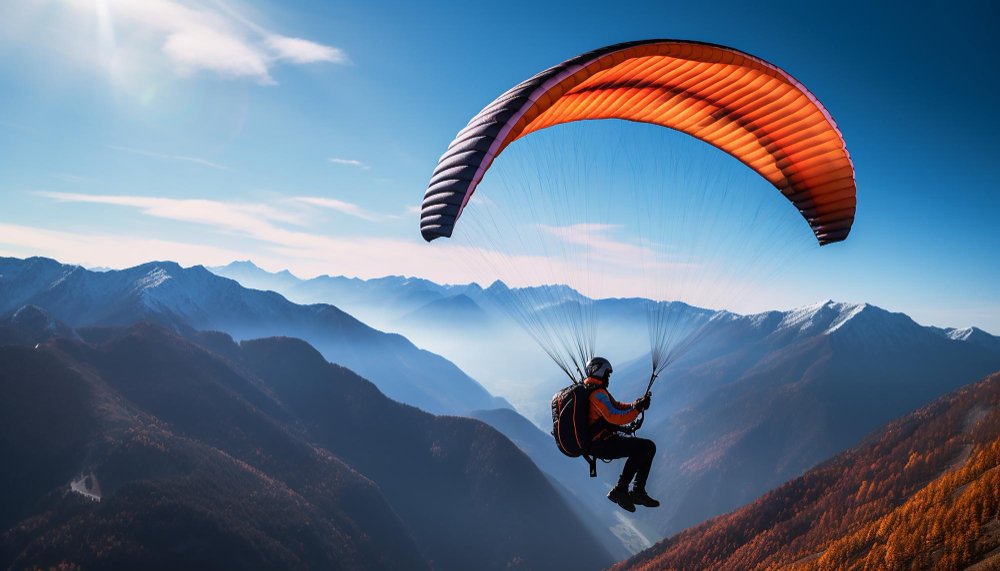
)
(921, 493)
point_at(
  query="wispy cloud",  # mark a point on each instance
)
(201, 48)
(596, 239)
(596, 247)
(297, 50)
(348, 208)
(192, 39)
(73, 178)
(480, 200)
(349, 162)
(308, 253)
(169, 157)
(106, 250)
(238, 217)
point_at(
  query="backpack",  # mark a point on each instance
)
(570, 424)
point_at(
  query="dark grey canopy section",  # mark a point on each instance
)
(468, 157)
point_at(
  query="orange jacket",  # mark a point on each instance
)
(604, 407)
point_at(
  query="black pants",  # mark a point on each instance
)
(639, 451)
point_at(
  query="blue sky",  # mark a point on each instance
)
(301, 134)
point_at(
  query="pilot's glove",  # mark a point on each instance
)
(643, 402)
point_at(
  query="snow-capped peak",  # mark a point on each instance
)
(973, 335)
(153, 279)
(826, 317)
(849, 312)
(962, 334)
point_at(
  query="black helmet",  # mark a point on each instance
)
(599, 368)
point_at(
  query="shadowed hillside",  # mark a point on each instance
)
(256, 456)
(923, 492)
(763, 398)
(177, 490)
(457, 481)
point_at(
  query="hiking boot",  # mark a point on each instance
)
(620, 496)
(639, 497)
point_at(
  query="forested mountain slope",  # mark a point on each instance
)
(922, 492)
(204, 452)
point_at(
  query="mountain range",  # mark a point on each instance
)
(471, 325)
(187, 300)
(145, 447)
(755, 401)
(758, 400)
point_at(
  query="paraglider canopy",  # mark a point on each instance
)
(741, 104)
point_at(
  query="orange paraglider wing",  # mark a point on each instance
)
(739, 103)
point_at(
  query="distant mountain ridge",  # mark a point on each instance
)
(354, 295)
(438, 317)
(165, 293)
(420, 291)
